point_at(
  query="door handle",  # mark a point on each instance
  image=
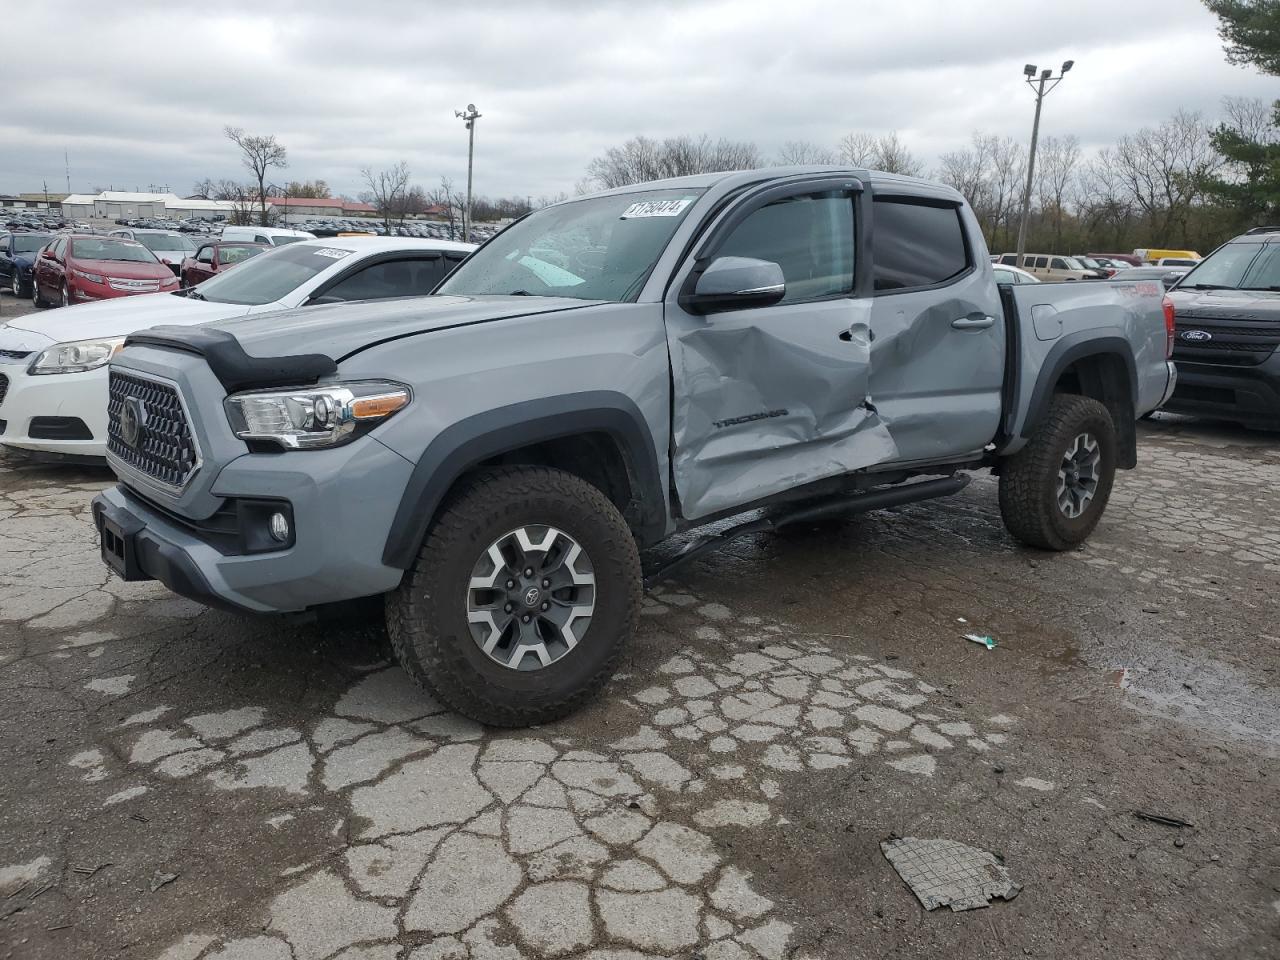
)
(974, 321)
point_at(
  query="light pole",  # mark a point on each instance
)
(470, 115)
(1038, 84)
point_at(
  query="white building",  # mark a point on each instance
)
(121, 205)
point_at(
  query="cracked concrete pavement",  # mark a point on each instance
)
(184, 783)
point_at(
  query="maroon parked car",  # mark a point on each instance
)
(213, 258)
(82, 269)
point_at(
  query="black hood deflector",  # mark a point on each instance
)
(234, 368)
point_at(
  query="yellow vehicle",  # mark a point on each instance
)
(1155, 256)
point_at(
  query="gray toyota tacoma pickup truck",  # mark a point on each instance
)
(603, 374)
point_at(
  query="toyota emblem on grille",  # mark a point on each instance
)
(133, 420)
(1196, 336)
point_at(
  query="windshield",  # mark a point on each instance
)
(111, 248)
(595, 249)
(1237, 266)
(1089, 264)
(166, 241)
(29, 242)
(270, 276)
(280, 241)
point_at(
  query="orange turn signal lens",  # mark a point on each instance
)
(373, 408)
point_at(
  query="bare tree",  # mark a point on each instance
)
(1103, 201)
(445, 197)
(641, 159)
(894, 157)
(387, 190)
(857, 149)
(1164, 169)
(969, 171)
(886, 152)
(259, 155)
(796, 153)
(203, 189)
(1058, 159)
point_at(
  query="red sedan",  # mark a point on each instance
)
(82, 269)
(213, 258)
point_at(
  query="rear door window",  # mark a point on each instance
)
(1042, 263)
(917, 244)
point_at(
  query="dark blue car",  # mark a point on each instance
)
(17, 254)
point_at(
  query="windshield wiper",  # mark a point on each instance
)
(193, 293)
(1208, 286)
(519, 293)
(1271, 289)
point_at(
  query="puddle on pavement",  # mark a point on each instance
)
(1205, 694)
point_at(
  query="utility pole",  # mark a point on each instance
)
(470, 115)
(66, 160)
(46, 194)
(1042, 86)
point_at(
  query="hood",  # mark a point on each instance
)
(24, 260)
(122, 315)
(338, 330)
(123, 269)
(1225, 304)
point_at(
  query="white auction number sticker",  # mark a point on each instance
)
(655, 208)
(333, 253)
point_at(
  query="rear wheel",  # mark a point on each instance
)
(521, 599)
(37, 301)
(1053, 491)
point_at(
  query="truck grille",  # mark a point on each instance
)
(4, 386)
(1236, 343)
(148, 429)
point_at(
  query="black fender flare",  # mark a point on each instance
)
(471, 441)
(1071, 349)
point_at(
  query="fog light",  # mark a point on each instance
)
(279, 527)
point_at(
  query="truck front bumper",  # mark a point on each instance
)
(341, 503)
(1241, 394)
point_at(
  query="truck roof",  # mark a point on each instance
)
(730, 179)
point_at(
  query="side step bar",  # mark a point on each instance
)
(840, 506)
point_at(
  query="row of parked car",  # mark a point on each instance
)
(1059, 268)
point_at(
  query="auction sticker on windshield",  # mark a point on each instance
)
(655, 208)
(333, 253)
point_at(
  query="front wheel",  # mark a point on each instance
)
(1053, 491)
(521, 599)
(37, 301)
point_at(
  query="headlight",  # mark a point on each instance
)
(75, 357)
(314, 416)
(91, 277)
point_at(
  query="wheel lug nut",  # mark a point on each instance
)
(545, 584)
(525, 618)
(546, 606)
(511, 584)
(528, 571)
(507, 608)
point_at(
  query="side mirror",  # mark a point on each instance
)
(733, 283)
(48, 255)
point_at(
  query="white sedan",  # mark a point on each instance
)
(53, 366)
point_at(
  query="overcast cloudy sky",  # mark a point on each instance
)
(139, 92)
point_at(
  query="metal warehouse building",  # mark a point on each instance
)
(117, 205)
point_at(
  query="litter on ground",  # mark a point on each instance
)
(987, 642)
(948, 873)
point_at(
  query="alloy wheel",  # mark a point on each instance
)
(530, 597)
(1078, 475)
